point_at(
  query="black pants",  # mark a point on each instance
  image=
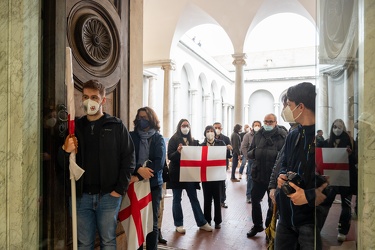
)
(212, 191)
(257, 193)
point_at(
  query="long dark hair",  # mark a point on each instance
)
(152, 117)
(179, 134)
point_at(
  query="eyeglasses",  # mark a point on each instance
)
(184, 126)
(268, 122)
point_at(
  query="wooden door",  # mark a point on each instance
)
(97, 32)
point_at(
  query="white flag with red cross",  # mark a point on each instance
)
(203, 163)
(333, 162)
(136, 213)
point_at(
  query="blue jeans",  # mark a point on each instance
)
(243, 164)
(302, 237)
(97, 212)
(249, 186)
(178, 216)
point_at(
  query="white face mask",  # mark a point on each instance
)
(247, 130)
(337, 131)
(91, 107)
(185, 131)
(218, 131)
(210, 136)
(256, 128)
(287, 114)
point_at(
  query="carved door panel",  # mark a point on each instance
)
(97, 33)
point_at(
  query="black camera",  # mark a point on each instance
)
(295, 179)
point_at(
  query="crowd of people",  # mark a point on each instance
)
(278, 162)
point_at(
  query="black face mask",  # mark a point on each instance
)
(143, 123)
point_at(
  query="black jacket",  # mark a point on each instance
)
(299, 143)
(174, 163)
(117, 157)
(263, 150)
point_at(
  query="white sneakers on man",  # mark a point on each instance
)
(181, 229)
(206, 227)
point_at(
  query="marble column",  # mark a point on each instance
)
(193, 111)
(218, 110)
(366, 210)
(247, 118)
(20, 102)
(239, 63)
(322, 105)
(168, 100)
(176, 103)
(151, 91)
(225, 118)
(207, 110)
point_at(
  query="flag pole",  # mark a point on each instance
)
(72, 158)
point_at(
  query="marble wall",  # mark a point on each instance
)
(366, 220)
(19, 128)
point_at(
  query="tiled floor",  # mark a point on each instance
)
(236, 222)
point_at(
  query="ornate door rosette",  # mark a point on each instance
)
(93, 35)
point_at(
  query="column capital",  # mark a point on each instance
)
(193, 91)
(176, 85)
(239, 59)
(168, 66)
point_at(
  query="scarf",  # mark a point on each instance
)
(144, 147)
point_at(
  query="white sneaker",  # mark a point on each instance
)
(341, 237)
(181, 229)
(206, 227)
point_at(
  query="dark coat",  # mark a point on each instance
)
(174, 162)
(116, 159)
(157, 156)
(263, 150)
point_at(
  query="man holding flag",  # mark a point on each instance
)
(106, 152)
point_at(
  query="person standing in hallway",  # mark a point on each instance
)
(247, 130)
(266, 145)
(106, 153)
(182, 137)
(212, 189)
(297, 227)
(149, 147)
(235, 140)
(339, 138)
(226, 140)
(245, 145)
(319, 137)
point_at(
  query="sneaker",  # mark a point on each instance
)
(240, 177)
(248, 200)
(206, 227)
(254, 230)
(341, 237)
(336, 201)
(181, 229)
(235, 180)
(217, 226)
(224, 205)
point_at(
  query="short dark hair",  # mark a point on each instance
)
(303, 92)
(152, 118)
(208, 127)
(256, 121)
(96, 85)
(319, 130)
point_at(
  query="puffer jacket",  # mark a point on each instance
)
(263, 150)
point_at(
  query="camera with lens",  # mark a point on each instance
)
(295, 179)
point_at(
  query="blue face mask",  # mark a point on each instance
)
(267, 127)
(143, 123)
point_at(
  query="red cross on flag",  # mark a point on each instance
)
(203, 163)
(333, 162)
(136, 213)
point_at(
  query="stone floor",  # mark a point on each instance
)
(236, 222)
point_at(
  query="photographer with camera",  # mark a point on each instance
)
(300, 191)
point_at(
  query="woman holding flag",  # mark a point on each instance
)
(212, 189)
(182, 137)
(150, 149)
